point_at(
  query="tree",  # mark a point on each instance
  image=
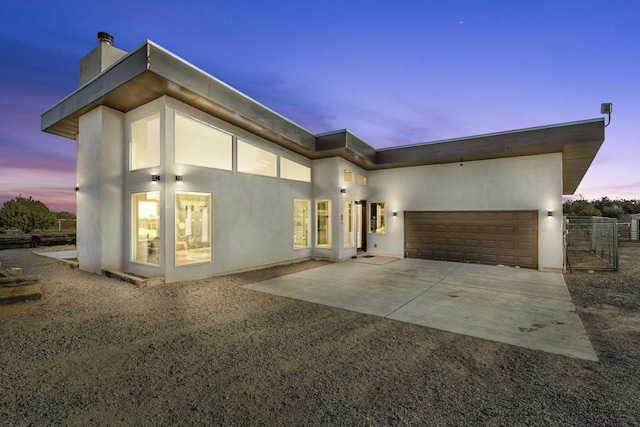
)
(26, 214)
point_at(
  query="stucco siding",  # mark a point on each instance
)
(519, 183)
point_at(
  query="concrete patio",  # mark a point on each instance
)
(522, 307)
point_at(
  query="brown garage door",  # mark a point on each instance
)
(484, 237)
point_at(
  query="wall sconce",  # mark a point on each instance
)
(395, 213)
(155, 178)
(179, 178)
(76, 188)
(549, 213)
(343, 190)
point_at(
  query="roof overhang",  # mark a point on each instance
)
(149, 72)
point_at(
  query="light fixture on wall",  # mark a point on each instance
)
(343, 190)
(395, 213)
(179, 178)
(76, 188)
(155, 178)
(549, 213)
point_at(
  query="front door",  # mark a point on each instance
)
(361, 225)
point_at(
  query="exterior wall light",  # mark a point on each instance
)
(179, 178)
(343, 190)
(155, 178)
(395, 213)
(549, 213)
(76, 188)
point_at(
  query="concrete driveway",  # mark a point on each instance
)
(527, 308)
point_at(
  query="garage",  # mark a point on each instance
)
(483, 237)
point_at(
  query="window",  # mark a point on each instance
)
(323, 223)
(145, 230)
(199, 144)
(362, 180)
(301, 224)
(377, 224)
(348, 176)
(348, 224)
(256, 161)
(295, 171)
(145, 143)
(193, 227)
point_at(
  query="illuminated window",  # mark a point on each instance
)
(145, 142)
(257, 161)
(348, 224)
(295, 171)
(193, 227)
(301, 224)
(199, 144)
(145, 227)
(362, 180)
(323, 223)
(377, 223)
(348, 176)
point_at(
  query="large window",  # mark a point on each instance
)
(362, 180)
(348, 224)
(377, 222)
(193, 227)
(301, 224)
(145, 227)
(323, 223)
(254, 160)
(145, 142)
(295, 171)
(199, 144)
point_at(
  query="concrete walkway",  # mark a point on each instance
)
(527, 308)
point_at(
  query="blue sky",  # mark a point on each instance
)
(392, 72)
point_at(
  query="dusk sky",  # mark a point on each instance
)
(392, 72)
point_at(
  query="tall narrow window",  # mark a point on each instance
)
(323, 223)
(145, 142)
(145, 227)
(301, 224)
(348, 224)
(193, 227)
(378, 224)
(202, 145)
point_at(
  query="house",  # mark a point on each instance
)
(181, 176)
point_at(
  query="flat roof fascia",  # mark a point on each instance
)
(126, 85)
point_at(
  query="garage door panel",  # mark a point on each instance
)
(490, 237)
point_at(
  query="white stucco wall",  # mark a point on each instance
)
(100, 202)
(252, 215)
(518, 183)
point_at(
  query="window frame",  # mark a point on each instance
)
(380, 218)
(184, 244)
(326, 225)
(306, 218)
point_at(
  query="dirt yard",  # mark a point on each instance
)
(102, 352)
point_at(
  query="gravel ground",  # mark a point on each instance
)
(208, 352)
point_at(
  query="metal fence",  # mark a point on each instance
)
(591, 243)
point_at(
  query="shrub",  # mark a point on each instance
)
(26, 215)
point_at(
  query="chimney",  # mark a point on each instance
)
(100, 58)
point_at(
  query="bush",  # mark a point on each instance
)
(26, 215)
